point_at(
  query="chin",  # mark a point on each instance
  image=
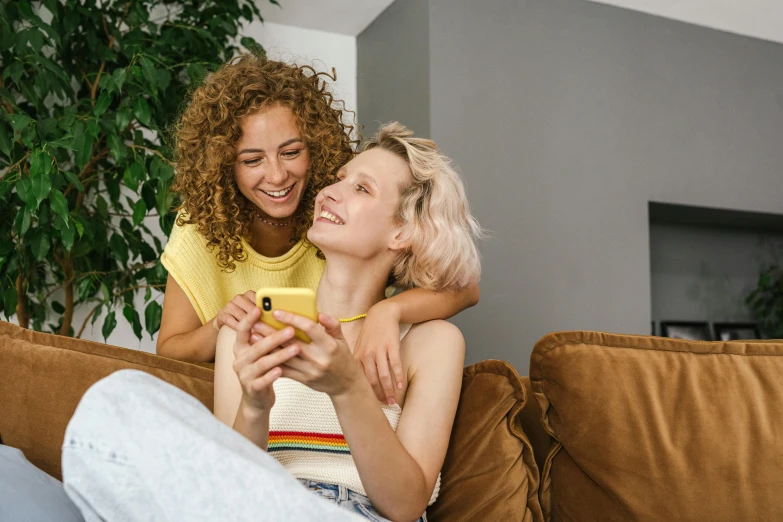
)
(324, 238)
(313, 238)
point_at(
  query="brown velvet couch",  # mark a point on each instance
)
(489, 473)
(607, 428)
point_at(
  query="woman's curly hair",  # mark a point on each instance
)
(209, 128)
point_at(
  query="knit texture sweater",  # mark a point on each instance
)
(306, 438)
(209, 288)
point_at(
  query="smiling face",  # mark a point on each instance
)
(356, 215)
(272, 162)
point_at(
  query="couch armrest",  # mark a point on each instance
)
(44, 376)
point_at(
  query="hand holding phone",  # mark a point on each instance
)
(300, 301)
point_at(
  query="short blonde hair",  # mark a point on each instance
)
(437, 226)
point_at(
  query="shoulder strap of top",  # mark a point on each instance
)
(404, 329)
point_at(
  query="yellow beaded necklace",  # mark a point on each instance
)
(355, 318)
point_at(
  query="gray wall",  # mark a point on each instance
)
(567, 117)
(393, 68)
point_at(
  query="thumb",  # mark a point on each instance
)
(332, 325)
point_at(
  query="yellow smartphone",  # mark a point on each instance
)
(300, 301)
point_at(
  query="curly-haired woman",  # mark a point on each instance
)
(256, 144)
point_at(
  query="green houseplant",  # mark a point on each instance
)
(766, 301)
(88, 92)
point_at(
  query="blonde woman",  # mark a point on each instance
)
(398, 211)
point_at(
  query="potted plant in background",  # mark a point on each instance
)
(766, 301)
(88, 91)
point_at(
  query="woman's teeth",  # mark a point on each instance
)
(278, 193)
(331, 217)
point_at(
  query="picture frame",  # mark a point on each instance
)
(688, 330)
(736, 331)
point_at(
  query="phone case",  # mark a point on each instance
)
(300, 301)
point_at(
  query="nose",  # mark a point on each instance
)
(275, 172)
(332, 192)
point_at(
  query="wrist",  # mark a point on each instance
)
(387, 308)
(253, 413)
(214, 324)
(356, 386)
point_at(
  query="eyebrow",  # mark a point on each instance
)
(284, 144)
(369, 179)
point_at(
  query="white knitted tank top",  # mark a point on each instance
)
(306, 438)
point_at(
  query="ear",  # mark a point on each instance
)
(396, 242)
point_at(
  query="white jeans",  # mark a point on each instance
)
(140, 449)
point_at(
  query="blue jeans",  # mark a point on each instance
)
(348, 499)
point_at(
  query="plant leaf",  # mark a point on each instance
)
(60, 206)
(5, 140)
(40, 181)
(152, 315)
(9, 301)
(116, 146)
(108, 325)
(97, 314)
(119, 248)
(164, 79)
(142, 111)
(139, 211)
(68, 236)
(122, 119)
(35, 37)
(104, 100)
(82, 149)
(71, 177)
(22, 223)
(130, 180)
(132, 316)
(24, 188)
(40, 244)
(119, 77)
(28, 136)
(20, 121)
(148, 68)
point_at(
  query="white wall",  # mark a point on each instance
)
(757, 18)
(320, 49)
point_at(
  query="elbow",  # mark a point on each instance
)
(410, 509)
(161, 348)
(410, 513)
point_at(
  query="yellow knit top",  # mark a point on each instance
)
(209, 288)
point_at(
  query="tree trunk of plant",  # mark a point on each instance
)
(21, 308)
(68, 314)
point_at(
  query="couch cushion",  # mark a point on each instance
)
(489, 472)
(44, 376)
(650, 428)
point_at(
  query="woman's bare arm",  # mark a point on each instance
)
(399, 471)
(228, 389)
(418, 305)
(182, 336)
